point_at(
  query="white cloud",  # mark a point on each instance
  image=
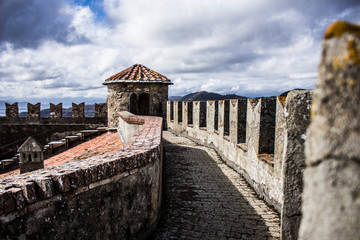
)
(257, 47)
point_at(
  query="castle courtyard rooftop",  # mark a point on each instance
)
(103, 144)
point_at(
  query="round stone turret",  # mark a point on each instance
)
(138, 90)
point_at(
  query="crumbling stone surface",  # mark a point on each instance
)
(297, 117)
(331, 199)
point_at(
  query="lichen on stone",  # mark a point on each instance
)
(337, 29)
(282, 99)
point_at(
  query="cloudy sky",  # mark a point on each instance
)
(63, 50)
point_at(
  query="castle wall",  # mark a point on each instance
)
(118, 98)
(114, 196)
(331, 204)
(264, 143)
(14, 130)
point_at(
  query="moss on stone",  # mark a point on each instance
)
(337, 29)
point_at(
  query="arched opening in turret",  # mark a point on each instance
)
(144, 104)
(133, 104)
(29, 158)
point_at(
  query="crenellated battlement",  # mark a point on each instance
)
(56, 111)
(252, 135)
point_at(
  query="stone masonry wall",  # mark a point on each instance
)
(331, 198)
(115, 196)
(265, 144)
(118, 98)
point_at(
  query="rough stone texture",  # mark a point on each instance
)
(280, 127)
(78, 110)
(196, 114)
(12, 110)
(253, 124)
(297, 117)
(331, 199)
(113, 196)
(55, 110)
(206, 199)
(100, 110)
(33, 110)
(210, 116)
(118, 98)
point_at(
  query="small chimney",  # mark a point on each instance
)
(31, 156)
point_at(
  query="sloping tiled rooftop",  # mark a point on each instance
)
(103, 144)
(138, 73)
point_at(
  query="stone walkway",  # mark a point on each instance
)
(205, 199)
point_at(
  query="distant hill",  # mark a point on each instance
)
(204, 96)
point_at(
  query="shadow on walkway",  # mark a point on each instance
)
(205, 199)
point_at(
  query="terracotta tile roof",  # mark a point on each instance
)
(138, 73)
(103, 144)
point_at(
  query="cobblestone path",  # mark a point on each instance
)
(205, 199)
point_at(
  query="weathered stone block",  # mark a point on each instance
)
(12, 110)
(28, 189)
(44, 186)
(76, 178)
(18, 197)
(55, 110)
(33, 110)
(78, 110)
(100, 110)
(61, 182)
(297, 117)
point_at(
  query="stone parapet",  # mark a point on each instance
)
(263, 139)
(121, 189)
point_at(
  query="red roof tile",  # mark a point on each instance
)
(103, 144)
(138, 73)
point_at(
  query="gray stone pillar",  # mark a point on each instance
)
(196, 114)
(331, 198)
(297, 119)
(210, 116)
(221, 115)
(185, 114)
(233, 121)
(253, 125)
